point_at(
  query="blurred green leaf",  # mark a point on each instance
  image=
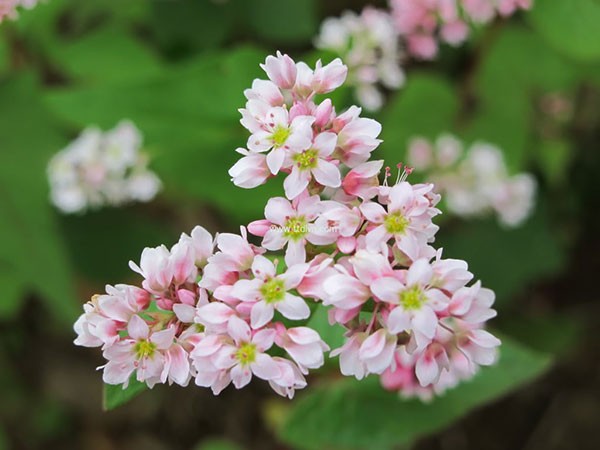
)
(505, 260)
(426, 107)
(187, 25)
(13, 291)
(285, 21)
(554, 157)
(31, 244)
(555, 334)
(101, 243)
(115, 396)
(504, 112)
(354, 414)
(108, 54)
(570, 26)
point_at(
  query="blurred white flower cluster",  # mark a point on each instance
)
(368, 45)
(8, 8)
(101, 168)
(476, 181)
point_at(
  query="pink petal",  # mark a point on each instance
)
(278, 210)
(275, 160)
(264, 367)
(261, 314)
(238, 329)
(241, 376)
(293, 307)
(327, 174)
(387, 289)
(427, 370)
(138, 328)
(262, 267)
(296, 182)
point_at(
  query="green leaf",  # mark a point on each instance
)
(504, 111)
(32, 246)
(354, 414)
(426, 107)
(554, 157)
(13, 291)
(176, 24)
(505, 260)
(115, 396)
(284, 21)
(111, 238)
(570, 26)
(109, 54)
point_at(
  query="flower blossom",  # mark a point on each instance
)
(474, 182)
(368, 44)
(223, 310)
(422, 23)
(100, 169)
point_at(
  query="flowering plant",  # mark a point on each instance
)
(358, 247)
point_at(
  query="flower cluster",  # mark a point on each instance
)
(8, 8)
(101, 168)
(474, 182)
(422, 23)
(341, 240)
(368, 44)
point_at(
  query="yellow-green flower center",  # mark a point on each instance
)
(273, 291)
(280, 135)
(307, 159)
(412, 298)
(144, 349)
(295, 228)
(246, 354)
(396, 223)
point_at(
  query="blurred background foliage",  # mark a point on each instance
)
(177, 69)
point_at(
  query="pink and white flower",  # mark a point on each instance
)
(312, 162)
(415, 302)
(268, 292)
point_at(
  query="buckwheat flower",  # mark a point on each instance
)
(243, 354)
(312, 162)
(269, 292)
(280, 133)
(407, 219)
(423, 22)
(415, 302)
(341, 222)
(281, 70)
(377, 351)
(357, 137)
(402, 378)
(141, 351)
(289, 379)
(99, 169)
(363, 181)
(157, 269)
(292, 226)
(303, 344)
(514, 199)
(250, 171)
(472, 304)
(350, 362)
(369, 46)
